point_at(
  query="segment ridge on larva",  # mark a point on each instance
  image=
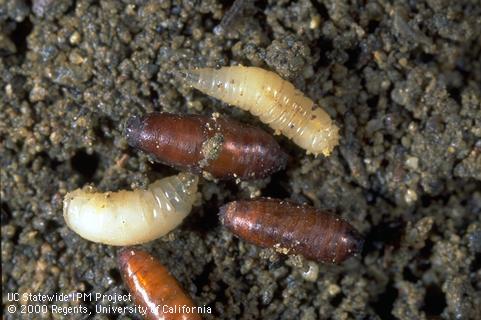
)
(274, 100)
(131, 217)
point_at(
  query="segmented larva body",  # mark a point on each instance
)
(274, 100)
(131, 217)
(154, 288)
(292, 228)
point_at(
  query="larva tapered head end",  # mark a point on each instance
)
(191, 77)
(325, 144)
(188, 76)
(133, 131)
(189, 182)
(332, 140)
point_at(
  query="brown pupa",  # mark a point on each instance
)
(222, 147)
(154, 289)
(292, 228)
(274, 100)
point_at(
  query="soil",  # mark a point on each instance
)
(402, 79)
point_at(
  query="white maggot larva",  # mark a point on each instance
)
(130, 217)
(274, 100)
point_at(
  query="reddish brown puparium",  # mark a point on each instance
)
(223, 147)
(151, 285)
(298, 229)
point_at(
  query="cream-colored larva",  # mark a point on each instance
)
(274, 100)
(131, 217)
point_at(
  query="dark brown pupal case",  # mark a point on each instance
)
(222, 147)
(154, 288)
(300, 229)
